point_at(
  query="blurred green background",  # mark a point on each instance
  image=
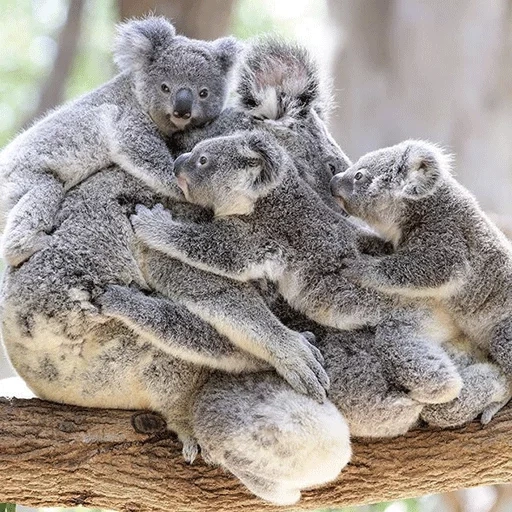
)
(400, 69)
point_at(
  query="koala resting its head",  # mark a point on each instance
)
(380, 183)
(229, 174)
(180, 82)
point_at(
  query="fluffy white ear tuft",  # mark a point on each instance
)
(279, 80)
(138, 42)
(423, 165)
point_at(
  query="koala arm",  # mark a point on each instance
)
(138, 147)
(370, 244)
(419, 266)
(224, 247)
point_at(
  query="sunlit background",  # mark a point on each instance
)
(436, 69)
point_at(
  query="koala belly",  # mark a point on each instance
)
(105, 366)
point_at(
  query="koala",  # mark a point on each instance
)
(269, 224)
(167, 83)
(158, 350)
(446, 249)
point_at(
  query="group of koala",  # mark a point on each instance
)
(171, 253)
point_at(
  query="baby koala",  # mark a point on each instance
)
(167, 83)
(270, 224)
(446, 248)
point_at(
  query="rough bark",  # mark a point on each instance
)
(194, 18)
(54, 454)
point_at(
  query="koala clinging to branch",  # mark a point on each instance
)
(270, 224)
(447, 250)
(125, 121)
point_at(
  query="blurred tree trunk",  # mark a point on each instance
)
(53, 90)
(430, 69)
(199, 19)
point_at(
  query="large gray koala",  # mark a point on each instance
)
(254, 424)
(446, 250)
(125, 121)
(270, 224)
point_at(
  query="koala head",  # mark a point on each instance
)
(229, 174)
(179, 81)
(279, 85)
(377, 186)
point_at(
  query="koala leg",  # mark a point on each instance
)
(173, 329)
(416, 363)
(277, 441)
(500, 346)
(31, 218)
(238, 311)
(485, 390)
(361, 389)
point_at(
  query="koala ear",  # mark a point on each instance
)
(138, 42)
(227, 50)
(270, 154)
(278, 80)
(423, 164)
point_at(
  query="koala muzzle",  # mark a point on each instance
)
(340, 185)
(183, 104)
(179, 163)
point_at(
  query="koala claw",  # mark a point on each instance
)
(310, 338)
(19, 249)
(190, 449)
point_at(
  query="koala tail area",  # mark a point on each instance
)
(278, 79)
(274, 440)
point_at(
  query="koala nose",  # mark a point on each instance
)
(179, 163)
(338, 185)
(183, 104)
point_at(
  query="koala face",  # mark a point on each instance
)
(229, 174)
(379, 183)
(179, 81)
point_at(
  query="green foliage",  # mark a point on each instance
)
(7, 507)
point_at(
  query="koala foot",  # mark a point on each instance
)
(190, 448)
(437, 389)
(301, 366)
(208, 459)
(20, 246)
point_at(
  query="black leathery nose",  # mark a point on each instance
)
(183, 103)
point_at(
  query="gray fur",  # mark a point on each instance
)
(125, 121)
(269, 224)
(447, 251)
(65, 338)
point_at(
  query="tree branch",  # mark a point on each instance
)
(58, 455)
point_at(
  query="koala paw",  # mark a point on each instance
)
(437, 387)
(301, 366)
(190, 449)
(148, 224)
(21, 245)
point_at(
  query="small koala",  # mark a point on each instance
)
(125, 121)
(446, 248)
(269, 224)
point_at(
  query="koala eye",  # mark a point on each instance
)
(332, 168)
(203, 93)
(358, 176)
(203, 160)
(165, 88)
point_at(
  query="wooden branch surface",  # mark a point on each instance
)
(58, 455)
